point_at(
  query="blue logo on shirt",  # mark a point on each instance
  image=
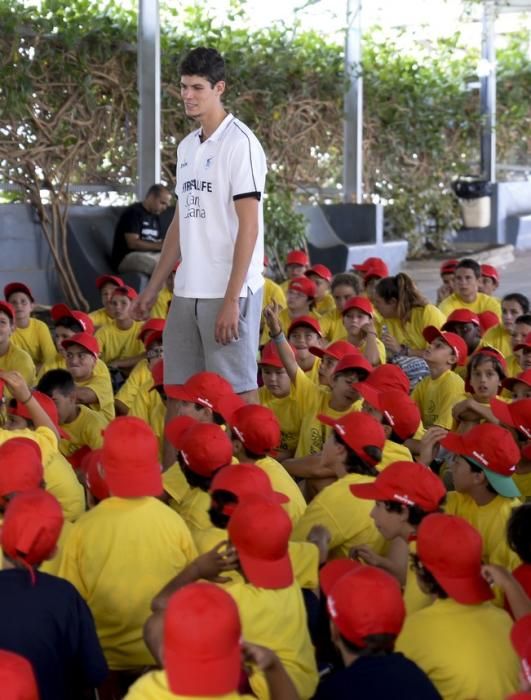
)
(209, 162)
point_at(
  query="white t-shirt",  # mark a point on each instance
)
(210, 176)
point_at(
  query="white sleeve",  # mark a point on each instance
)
(247, 167)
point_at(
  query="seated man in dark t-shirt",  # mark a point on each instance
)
(366, 613)
(137, 237)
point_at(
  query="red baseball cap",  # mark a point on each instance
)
(492, 448)
(32, 524)
(336, 350)
(521, 639)
(153, 337)
(361, 303)
(13, 287)
(461, 316)
(372, 267)
(20, 466)
(203, 388)
(59, 311)
(125, 291)
(409, 483)
(269, 355)
(358, 430)
(455, 341)
(389, 377)
(364, 602)
(201, 641)
(130, 458)
(309, 321)
(150, 326)
(17, 678)
(333, 570)
(448, 266)
(320, 271)
(257, 428)
(47, 404)
(525, 344)
(451, 549)
(399, 409)
(260, 530)
(157, 373)
(205, 447)
(94, 480)
(524, 377)
(353, 361)
(490, 271)
(516, 414)
(8, 309)
(245, 481)
(488, 319)
(304, 285)
(297, 257)
(102, 280)
(89, 342)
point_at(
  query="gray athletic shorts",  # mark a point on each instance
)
(190, 347)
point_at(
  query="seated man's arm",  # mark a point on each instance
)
(134, 242)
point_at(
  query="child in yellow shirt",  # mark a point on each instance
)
(106, 284)
(466, 293)
(93, 390)
(519, 386)
(517, 415)
(304, 333)
(358, 319)
(329, 357)
(30, 334)
(164, 297)
(13, 358)
(345, 285)
(499, 337)
(120, 347)
(297, 262)
(489, 280)
(321, 275)
(437, 394)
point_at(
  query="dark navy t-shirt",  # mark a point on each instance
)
(378, 678)
(51, 625)
(135, 219)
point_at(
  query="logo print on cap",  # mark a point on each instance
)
(481, 457)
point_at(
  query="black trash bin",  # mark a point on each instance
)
(475, 201)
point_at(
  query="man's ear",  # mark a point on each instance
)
(219, 87)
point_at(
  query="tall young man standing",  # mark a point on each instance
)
(217, 231)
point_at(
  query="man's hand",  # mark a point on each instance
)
(142, 305)
(227, 322)
(223, 557)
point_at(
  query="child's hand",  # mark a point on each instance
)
(464, 410)
(261, 657)
(366, 554)
(429, 444)
(391, 343)
(17, 385)
(271, 312)
(496, 575)
(223, 557)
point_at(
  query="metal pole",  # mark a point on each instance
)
(149, 95)
(353, 120)
(488, 92)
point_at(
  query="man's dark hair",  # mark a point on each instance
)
(520, 299)
(156, 190)
(470, 264)
(519, 532)
(56, 380)
(375, 645)
(354, 464)
(70, 323)
(206, 62)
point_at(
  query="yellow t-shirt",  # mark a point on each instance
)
(313, 373)
(194, 508)
(85, 430)
(140, 375)
(100, 317)
(464, 649)
(498, 337)
(175, 484)
(393, 452)
(344, 516)
(414, 597)
(59, 477)
(265, 622)
(149, 406)
(410, 333)
(102, 387)
(51, 566)
(119, 555)
(162, 304)
(326, 304)
(282, 482)
(336, 326)
(273, 292)
(436, 398)
(154, 686)
(118, 344)
(289, 411)
(523, 481)
(36, 340)
(489, 520)
(17, 359)
(483, 302)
